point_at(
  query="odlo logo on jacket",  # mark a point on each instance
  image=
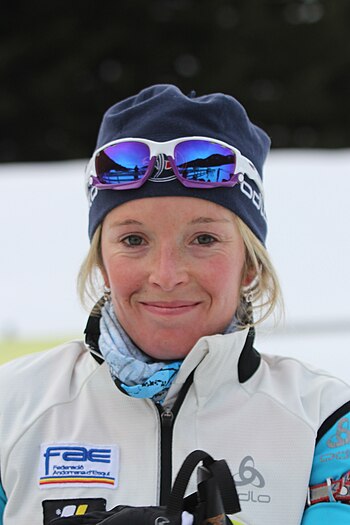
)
(249, 475)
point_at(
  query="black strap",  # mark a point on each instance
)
(218, 469)
(226, 485)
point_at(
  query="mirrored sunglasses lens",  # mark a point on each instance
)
(204, 161)
(122, 163)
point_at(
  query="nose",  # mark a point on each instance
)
(168, 268)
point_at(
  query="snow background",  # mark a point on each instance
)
(43, 239)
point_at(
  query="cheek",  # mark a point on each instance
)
(123, 279)
(223, 277)
(226, 277)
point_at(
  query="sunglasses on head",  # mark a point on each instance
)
(197, 162)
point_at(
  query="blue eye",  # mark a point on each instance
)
(133, 240)
(205, 238)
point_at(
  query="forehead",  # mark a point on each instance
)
(162, 208)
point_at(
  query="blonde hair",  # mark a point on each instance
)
(90, 282)
(258, 300)
(263, 296)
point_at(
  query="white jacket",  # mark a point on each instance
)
(71, 439)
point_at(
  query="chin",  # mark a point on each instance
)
(168, 346)
(169, 354)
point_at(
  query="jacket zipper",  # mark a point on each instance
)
(167, 420)
(166, 438)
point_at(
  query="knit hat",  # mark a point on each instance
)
(161, 113)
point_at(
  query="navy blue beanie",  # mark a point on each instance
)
(162, 112)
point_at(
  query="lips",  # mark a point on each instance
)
(169, 307)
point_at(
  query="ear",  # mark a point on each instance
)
(248, 277)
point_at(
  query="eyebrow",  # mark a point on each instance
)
(198, 220)
(126, 222)
(207, 220)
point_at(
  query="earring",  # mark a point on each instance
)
(251, 291)
(106, 294)
(248, 296)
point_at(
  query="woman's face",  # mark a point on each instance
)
(174, 266)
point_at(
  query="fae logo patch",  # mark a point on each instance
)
(81, 465)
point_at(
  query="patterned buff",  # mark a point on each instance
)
(139, 375)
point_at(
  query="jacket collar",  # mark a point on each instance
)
(236, 350)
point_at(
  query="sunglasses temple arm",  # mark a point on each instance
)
(88, 173)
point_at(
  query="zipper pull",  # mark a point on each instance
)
(167, 417)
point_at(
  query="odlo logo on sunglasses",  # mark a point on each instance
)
(162, 170)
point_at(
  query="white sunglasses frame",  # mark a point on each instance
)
(243, 165)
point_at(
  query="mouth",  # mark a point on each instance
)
(169, 308)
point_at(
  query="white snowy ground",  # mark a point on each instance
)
(43, 238)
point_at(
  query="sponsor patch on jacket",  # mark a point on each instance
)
(77, 464)
(64, 508)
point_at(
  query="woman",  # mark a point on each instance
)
(177, 227)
